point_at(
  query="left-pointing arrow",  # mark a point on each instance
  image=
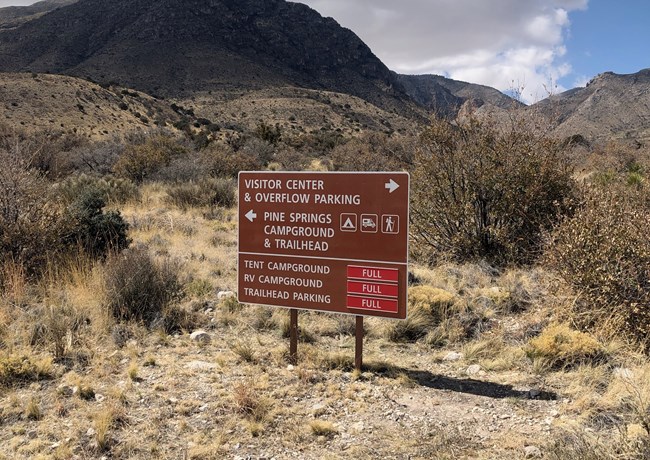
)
(250, 215)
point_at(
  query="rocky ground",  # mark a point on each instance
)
(229, 393)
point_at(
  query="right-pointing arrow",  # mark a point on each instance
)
(250, 215)
(391, 186)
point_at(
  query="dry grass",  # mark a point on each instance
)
(562, 346)
(237, 396)
(322, 428)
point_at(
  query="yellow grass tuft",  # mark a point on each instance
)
(562, 346)
(322, 428)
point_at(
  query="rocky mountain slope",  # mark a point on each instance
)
(610, 106)
(14, 16)
(174, 48)
(445, 97)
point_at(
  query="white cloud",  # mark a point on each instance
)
(499, 43)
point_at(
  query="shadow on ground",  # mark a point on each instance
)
(460, 385)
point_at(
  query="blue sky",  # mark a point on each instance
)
(536, 46)
(608, 36)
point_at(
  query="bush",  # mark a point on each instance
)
(139, 161)
(94, 230)
(485, 192)
(207, 192)
(373, 152)
(428, 307)
(140, 288)
(223, 161)
(30, 219)
(604, 253)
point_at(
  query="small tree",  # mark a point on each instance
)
(485, 191)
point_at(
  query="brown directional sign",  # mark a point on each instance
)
(334, 242)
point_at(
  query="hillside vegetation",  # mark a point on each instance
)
(526, 334)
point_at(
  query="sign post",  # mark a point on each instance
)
(332, 242)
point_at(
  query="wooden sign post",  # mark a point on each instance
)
(332, 242)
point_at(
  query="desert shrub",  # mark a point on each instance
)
(206, 192)
(373, 152)
(578, 444)
(604, 253)
(292, 159)
(138, 287)
(481, 191)
(50, 152)
(94, 230)
(268, 133)
(176, 319)
(57, 328)
(318, 143)
(222, 161)
(139, 161)
(111, 189)
(560, 346)
(31, 227)
(439, 317)
(97, 158)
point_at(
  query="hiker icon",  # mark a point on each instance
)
(390, 224)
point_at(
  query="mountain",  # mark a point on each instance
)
(611, 106)
(241, 62)
(445, 97)
(14, 16)
(177, 48)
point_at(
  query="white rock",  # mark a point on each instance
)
(90, 432)
(358, 427)
(200, 366)
(225, 294)
(290, 367)
(453, 356)
(200, 336)
(99, 397)
(532, 452)
(473, 369)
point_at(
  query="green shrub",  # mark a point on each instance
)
(96, 231)
(481, 191)
(140, 288)
(604, 253)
